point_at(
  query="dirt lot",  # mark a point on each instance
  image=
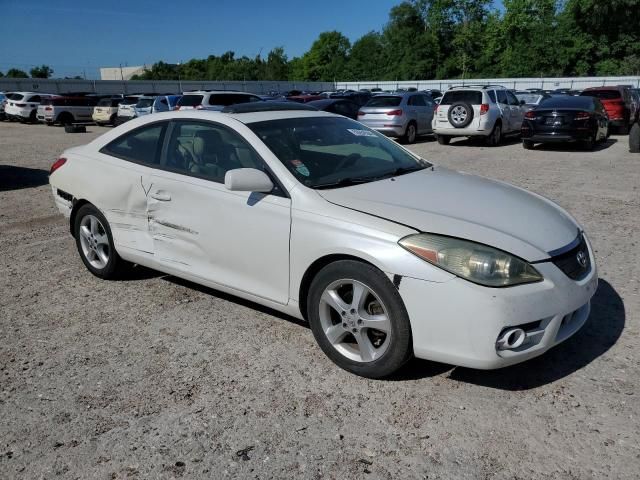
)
(155, 377)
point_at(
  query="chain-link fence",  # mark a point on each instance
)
(107, 87)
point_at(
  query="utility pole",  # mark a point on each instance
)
(121, 75)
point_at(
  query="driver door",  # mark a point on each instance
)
(236, 239)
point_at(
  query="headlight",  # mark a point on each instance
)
(472, 261)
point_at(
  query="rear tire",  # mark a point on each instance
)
(443, 140)
(590, 144)
(65, 118)
(369, 335)
(634, 138)
(527, 144)
(410, 133)
(113, 120)
(94, 242)
(495, 137)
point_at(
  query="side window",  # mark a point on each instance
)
(492, 95)
(207, 150)
(502, 97)
(417, 101)
(163, 101)
(513, 100)
(142, 145)
(35, 99)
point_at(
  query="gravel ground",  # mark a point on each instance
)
(155, 377)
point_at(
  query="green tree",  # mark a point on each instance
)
(367, 58)
(277, 65)
(43, 71)
(15, 73)
(327, 58)
(410, 49)
(1, 74)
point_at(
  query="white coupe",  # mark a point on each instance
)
(385, 254)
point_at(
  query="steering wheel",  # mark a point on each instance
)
(348, 161)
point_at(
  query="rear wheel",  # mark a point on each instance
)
(410, 133)
(65, 118)
(33, 117)
(359, 320)
(634, 138)
(495, 137)
(527, 144)
(590, 143)
(95, 244)
(112, 119)
(442, 140)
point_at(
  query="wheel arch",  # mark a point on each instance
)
(313, 269)
(77, 203)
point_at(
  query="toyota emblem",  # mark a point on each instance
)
(581, 257)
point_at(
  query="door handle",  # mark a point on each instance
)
(161, 196)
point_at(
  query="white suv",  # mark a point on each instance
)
(207, 100)
(23, 106)
(489, 111)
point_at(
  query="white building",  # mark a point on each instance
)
(120, 73)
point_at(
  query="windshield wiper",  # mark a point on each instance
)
(343, 182)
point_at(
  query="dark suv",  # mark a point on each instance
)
(620, 104)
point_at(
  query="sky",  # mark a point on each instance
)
(78, 37)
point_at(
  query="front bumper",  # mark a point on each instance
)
(458, 322)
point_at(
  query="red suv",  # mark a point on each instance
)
(619, 104)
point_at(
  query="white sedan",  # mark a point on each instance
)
(385, 254)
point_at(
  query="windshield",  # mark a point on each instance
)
(144, 103)
(529, 97)
(334, 152)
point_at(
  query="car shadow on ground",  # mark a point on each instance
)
(600, 333)
(16, 178)
(573, 146)
(482, 141)
(237, 300)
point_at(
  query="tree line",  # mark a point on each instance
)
(434, 39)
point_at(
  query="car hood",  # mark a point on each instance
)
(466, 206)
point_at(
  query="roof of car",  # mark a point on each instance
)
(216, 92)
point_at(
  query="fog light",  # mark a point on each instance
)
(510, 339)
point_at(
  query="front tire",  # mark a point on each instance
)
(95, 244)
(359, 320)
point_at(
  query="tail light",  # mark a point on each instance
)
(361, 114)
(48, 109)
(530, 115)
(20, 104)
(57, 164)
(395, 113)
(198, 107)
(582, 116)
(177, 107)
(437, 108)
(484, 108)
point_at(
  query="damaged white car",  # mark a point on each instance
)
(315, 215)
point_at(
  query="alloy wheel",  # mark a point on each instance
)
(94, 241)
(355, 321)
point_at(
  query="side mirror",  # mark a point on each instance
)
(247, 180)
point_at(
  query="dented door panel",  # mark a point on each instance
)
(123, 200)
(231, 238)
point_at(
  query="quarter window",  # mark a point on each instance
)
(207, 150)
(142, 145)
(417, 101)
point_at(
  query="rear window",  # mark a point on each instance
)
(129, 101)
(226, 99)
(467, 96)
(16, 96)
(384, 101)
(529, 98)
(191, 100)
(105, 102)
(603, 94)
(567, 101)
